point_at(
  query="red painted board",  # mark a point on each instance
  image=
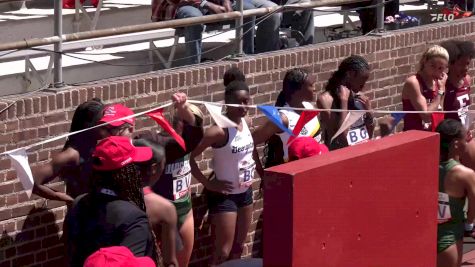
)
(370, 205)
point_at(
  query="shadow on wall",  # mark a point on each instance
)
(37, 240)
(203, 244)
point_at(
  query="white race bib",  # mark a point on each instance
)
(444, 214)
(246, 175)
(357, 135)
(181, 186)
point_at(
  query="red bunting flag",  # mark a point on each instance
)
(305, 117)
(436, 119)
(157, 116)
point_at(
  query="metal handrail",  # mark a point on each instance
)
(176, 23)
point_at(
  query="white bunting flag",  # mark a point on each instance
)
(351, 118)
(221, 120)
(307, 105)
(22, 167)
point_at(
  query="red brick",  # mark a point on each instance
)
(58, 129)
(82, 95)
(22, 210)
(25, 135)
(28, 247)
(75, 97)
(26, 260)
(55, 117)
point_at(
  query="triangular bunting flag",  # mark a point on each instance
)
(157, 115)
(397, 118)
(273, 115)
(305, 117)
(436, 119)
(19, 161)
(220, 120)
(351, 118)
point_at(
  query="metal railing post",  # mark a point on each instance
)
(380, 16)
(239, 29)
(58, 46)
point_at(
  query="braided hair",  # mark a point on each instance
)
(126, 182)
(233, 74)
(449, 130)
(458, 49)
(85, 116)
(352, 63)
(293, 81)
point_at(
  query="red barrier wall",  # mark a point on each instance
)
(371, 205)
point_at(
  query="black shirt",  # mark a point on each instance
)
(98, 220)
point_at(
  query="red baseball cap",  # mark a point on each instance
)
(117, 257)
(115, 152)
(304, 147)
(117, 111)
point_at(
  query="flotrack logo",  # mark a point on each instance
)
(442, 17)
(448, 14)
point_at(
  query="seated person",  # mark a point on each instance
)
(164, 10)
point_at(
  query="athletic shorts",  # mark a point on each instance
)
(183, 207)
(448, 235)
(219, 203)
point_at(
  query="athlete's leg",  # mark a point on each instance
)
(452, 256)
(244, 220)
(223, 226)
(187, 233)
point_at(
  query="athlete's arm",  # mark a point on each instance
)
(214, 136)
(412, 91)
(369, 120)
(163, 212)
(470, 189)
(183, 112)
(255, 155)
(46, 173)
(328, 119)
(263, 133)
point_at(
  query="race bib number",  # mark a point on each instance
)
(444, 214)
(356, 136)
(462, 111)
(246, 175)
(181, 186)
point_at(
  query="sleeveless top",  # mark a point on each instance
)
(450, 208)
(311, 128)
(457, 99)
(413, 121)
(175, 181)
(233, 162)
(357, 133)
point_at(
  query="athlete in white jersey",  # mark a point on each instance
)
(230, 192)
(310, 129)
(298, 87)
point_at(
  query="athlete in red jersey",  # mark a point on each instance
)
(457, 95)
(425, 90)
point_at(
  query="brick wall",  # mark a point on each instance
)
(31, 228)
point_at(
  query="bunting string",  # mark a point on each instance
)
(19, 157)
(376, 111)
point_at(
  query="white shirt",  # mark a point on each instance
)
(233, 162)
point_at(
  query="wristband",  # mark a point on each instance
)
(203, 3)
(468, 227)
(441, 93)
